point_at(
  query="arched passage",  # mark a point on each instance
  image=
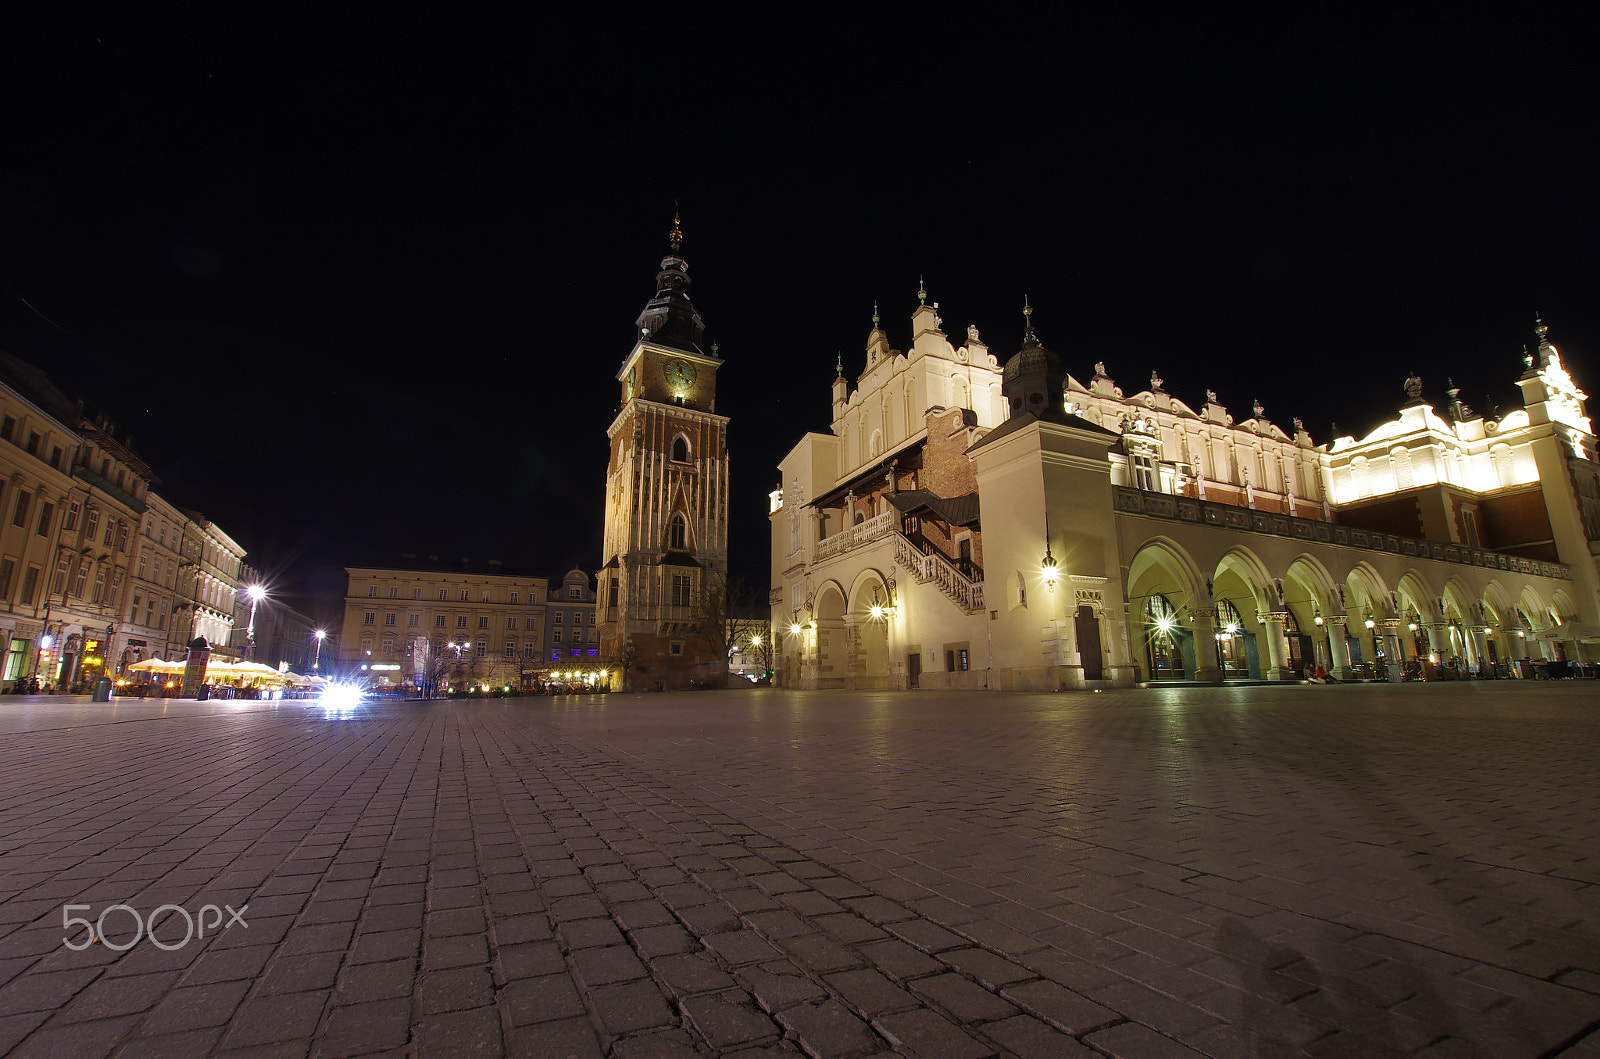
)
(871, 611)
(831, 650)
(1311, 595)
(1170, 614)
(1249, 617)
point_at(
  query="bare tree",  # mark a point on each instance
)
(728, 613)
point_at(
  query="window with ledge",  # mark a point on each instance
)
(388, 619)
(483, 623)
(370, 618)
(394, 591)
(1145, 475)
(680, 449)
(438, 621)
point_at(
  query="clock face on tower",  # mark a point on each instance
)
(680, 374)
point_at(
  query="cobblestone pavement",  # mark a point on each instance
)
(1327, 871)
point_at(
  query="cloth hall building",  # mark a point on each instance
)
(972, 524)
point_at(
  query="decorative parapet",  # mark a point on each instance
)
(1203, 512)
(853, 537)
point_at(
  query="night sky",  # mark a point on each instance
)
(359, 286)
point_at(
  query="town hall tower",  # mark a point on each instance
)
(665, 549)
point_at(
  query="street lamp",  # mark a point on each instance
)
(320, 634)
(256, 594)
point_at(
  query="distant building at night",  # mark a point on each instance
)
(572, 639)
(665, 552)
(968, 525)
(450, 625)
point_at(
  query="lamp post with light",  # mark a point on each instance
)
(316, 658)
(256, 594)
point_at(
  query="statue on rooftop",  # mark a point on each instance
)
(1414, 387)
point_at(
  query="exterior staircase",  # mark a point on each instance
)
(965, 593)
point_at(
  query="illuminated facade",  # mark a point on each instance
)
(572, 639)
(447, 627)
(73, 498)
(665, 547)
(963, 526)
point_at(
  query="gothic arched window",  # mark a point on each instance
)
(680, 449)
(678, 532)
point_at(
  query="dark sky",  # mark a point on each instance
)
(359, 286)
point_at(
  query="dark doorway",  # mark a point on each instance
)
(1088, 629)
(913, 671)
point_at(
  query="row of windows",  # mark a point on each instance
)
(573, 592)
(8, 431)
(414, 621)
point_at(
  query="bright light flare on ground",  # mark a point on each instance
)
(340, 697)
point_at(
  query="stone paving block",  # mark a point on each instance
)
(13, 1028)
(741, 947)
(779, 985)
(870, 993)
(590, 933)
(604, 966)
(189, 1044)
(546, 999)
(899, 960)
(729, 1020)
(459, 989)
(383, 946)
(829, 1031)
(360, 1029)
(1060, 1007)
(639, 914)
(666, 1044)
(442, 953)
(80, 1039)
(662, 941)
(1133, 1041)
(691, 974)
(272, 1020)
(44, 992)
(778, 924)
(848, 929)
(925, 1033)
(630, 1006)
(990, 970)
(928, 937)
(963, 999)
(376, 981)
(820, 954)
(464, 1034)
(1028, 1038)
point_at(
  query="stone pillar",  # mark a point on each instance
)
(1389, 629)
(1439, 645)
(1119, 661)
(1206, 668)
(1272, 624)
(1477, 646)
(1339, 647)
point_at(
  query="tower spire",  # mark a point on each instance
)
(1028, 337)
(922, 291)
(874, 314)
(675, 237)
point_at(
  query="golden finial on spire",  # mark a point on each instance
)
(675, 237)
